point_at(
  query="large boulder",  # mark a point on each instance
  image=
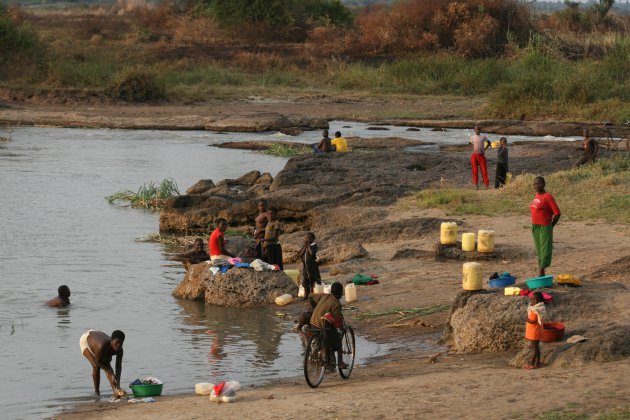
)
(239, 287)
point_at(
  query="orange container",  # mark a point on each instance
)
(553, 331)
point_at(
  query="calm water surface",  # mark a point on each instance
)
(56, 228)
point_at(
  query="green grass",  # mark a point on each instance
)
(283, 150)
(149, 195)
(565, 414)
(594, 192)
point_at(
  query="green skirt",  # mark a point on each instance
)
(543, 240)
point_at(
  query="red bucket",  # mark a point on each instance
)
(553, 331)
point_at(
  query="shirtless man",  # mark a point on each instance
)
(590, 146)
(261, 224)
(324, 145)
(62, 300)
(99, 348)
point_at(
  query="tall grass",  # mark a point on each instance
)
(596, 192)
(149, 195)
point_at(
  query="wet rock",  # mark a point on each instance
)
(378, 128)
(355, 266)
(200, 187)
(239, 287)
(412, 129)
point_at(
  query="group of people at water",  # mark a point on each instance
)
(99, 348)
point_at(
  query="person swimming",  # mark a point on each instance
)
(62, 300)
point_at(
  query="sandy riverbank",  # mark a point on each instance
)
(404, 384)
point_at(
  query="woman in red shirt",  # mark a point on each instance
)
(545, 215)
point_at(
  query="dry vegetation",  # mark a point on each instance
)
(571, 64)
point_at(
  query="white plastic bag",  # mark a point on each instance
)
(227, 394)
(301, 292)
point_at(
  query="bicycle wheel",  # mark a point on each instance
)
(314, 364)
(348, 350)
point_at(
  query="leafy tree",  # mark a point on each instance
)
(278, 15)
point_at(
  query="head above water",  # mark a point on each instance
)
(118, 338)
(337, 133)
(539, 184)
(336, 289)
(64, 291)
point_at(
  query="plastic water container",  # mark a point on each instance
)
(485, 241)
(301, 291)
(448, 233)
(512, 291)
(284, 299)
(468, 242)
(508, 177)
(472, 276)
(294, 274)
(350, 292)
(327, 288)
(318, 288)
(203, 388)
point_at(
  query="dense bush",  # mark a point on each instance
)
(276, 18)
(475, 28)
(137, 84)
(20, 48)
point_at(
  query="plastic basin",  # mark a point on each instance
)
(553, 331)
(538, 282)
(146, 390)
(501, 282)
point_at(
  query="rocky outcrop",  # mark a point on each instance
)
(239, 287)
(266, 122)
(311, 184)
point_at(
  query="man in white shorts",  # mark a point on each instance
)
(99, 348)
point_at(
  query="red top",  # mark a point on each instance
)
(543, 209)
(213, 242)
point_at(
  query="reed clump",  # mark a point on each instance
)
(150, 195)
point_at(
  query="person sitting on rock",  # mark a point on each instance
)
(324, 145)
(272, 250)
(261, 222)
(339, 144)
(310, 268)
(195, 256)
(217, 242)
(62, 300)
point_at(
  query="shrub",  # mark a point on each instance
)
(137, 84)
(20, 47)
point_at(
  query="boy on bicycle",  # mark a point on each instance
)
(327, 315)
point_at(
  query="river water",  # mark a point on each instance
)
(57, 228)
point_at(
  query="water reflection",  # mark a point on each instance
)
(218, 330)
(63, 315)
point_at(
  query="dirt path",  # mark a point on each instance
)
(404, 384)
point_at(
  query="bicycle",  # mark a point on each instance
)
(318, 357)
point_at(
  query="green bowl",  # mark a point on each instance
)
(146, 390)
